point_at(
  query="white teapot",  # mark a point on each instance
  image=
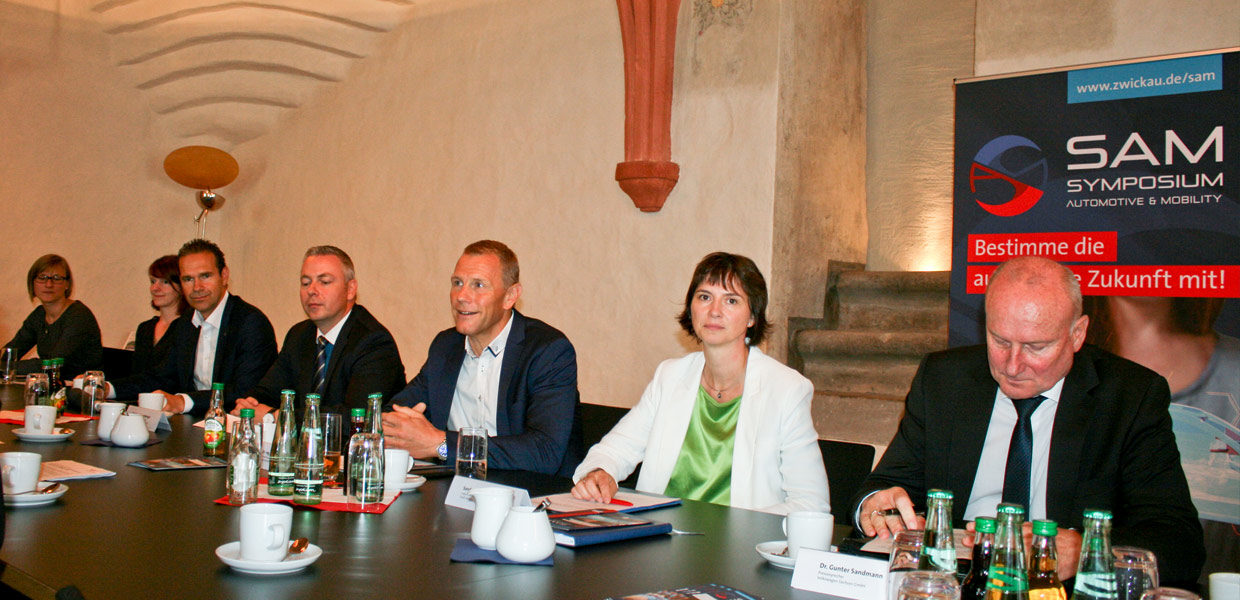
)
(130, 431)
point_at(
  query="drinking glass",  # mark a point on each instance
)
(8, 365)
(37, 389)
(331, 449)
(1168, 593)
(365, 480)
(928, 585)
(471, 452)
(94, 391)
(905, 554)
(1136, 570)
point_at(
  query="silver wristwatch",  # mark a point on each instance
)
(442, 450)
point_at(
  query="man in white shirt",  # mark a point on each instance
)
(224, 339)
(1095, 432)
(497, 369)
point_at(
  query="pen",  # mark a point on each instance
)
(619, 502)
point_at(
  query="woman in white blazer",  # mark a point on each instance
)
(728, 424)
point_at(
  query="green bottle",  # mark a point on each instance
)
(974, 585)
(938, 548)
(1044, 581)
(1009, 579)
(1095, 574)
(283, 448)
(308, 467)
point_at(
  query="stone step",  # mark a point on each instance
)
(878, 377)
(829, 343)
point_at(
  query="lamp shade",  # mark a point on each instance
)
(201, 167)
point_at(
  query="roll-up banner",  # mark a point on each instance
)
(1128, 174)
(1125, 172)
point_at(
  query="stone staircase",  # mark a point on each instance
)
(863, 353)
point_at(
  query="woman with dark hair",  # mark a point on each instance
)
(727, 425)
(150, 346)
(60, 327)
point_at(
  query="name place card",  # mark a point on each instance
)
(842, 575)
(458, 494)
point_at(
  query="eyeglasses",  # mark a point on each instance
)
(51, 278)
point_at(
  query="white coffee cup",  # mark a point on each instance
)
(20, 471)
(265, 531)
(40, 418)
(396, 465)
(808, 529)
(108, 412)
(1224, 585)
(152, 400)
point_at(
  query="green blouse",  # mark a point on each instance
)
(703, 470)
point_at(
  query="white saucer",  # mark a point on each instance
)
(57, 434)
(230, 553)
(412, 482)
(33, 499)
(775, 553)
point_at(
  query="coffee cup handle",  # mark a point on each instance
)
(38, 418)
(277, 536)
(6, 473)
(784, 524)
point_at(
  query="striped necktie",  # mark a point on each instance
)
(320, 365)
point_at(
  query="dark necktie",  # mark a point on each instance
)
(320, 365)
(1020, 452)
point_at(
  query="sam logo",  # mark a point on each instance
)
(1007, 176)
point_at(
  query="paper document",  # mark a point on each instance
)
(65, 470)
(883, 546)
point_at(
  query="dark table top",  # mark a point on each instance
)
(144, 534)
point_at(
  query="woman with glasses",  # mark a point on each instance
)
(60, 327)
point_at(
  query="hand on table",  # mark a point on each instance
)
(407, 428)
(874, 521)
(596, 486)
(260, 409)
(173, 403)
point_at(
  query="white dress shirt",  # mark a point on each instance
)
(476, 397)
(988, 482)
(204, 355)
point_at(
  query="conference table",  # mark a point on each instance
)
(144, 534)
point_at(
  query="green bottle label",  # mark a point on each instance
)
(1007, 579)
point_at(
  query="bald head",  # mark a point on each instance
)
(1033, 324)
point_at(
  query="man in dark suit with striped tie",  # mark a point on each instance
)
(1038, 418)
(341, 352)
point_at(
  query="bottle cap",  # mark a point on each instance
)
(58, 362)
(217, 386)
(47, 362)
(1046, 528)
(357, 412)
(315, 396)
(376, 395)
(1097, 513)
(247, 413)
(939, 494)
(282, 392)
(985, 525)
(1011, 508)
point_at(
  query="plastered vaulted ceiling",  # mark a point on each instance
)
(223, 72)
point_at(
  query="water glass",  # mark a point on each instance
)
(471, 452)
(94, 392)
(1167, 593)
(8, 365)
(1136, 570)
(928, 585)
(905, 554)
(38, 391)
(331, 448)
(365, 481)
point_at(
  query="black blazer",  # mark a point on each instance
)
(243, 353)
(364, 360)
(538, 419)
(1112, 447)
(147, 353)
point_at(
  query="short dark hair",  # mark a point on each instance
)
(200, 245)
(726, 269)
(345, 261)
(45, 262)
(169, 269)
(507, 258)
